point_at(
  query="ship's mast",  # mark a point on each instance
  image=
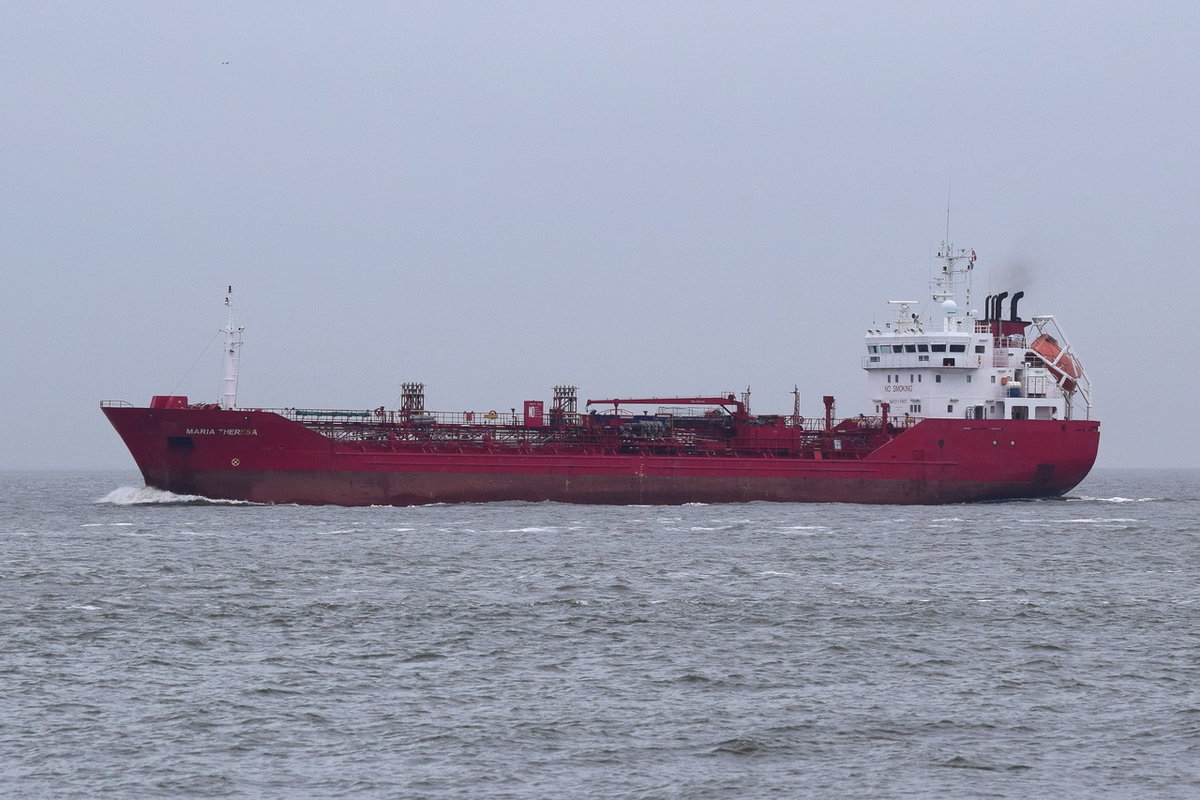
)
(946, 284)
(229, 366)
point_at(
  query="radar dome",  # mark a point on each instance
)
(949, 308)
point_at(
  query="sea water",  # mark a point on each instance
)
(164, 646)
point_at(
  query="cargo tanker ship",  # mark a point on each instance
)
(963, 406)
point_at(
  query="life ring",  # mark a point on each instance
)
(1064, 368)
(491, 414)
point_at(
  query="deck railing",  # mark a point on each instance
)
(345, 416)
(911, 361)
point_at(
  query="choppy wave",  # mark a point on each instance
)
(147, 496)
(709, 651)
(1085, 498)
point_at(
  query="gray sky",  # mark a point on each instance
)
(639, 198)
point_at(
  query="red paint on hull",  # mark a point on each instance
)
(263, 457)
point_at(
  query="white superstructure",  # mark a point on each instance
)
(956, 364)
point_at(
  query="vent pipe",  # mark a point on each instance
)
(1000, 305)
(1013, 307)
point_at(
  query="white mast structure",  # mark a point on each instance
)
(229, 364)
(945, 285)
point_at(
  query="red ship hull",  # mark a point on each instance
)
(261, 456)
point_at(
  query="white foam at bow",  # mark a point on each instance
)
(145, 495)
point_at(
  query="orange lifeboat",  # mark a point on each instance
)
(1064, 368)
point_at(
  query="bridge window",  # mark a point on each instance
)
(938, 348)
(872, 348)
(979, 348)
(910, 348)
(922, 348)
(958, 348)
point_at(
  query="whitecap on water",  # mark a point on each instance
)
(1084, 498)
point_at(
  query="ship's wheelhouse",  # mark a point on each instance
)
(967, 366)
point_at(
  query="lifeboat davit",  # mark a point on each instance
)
(1065, 369)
